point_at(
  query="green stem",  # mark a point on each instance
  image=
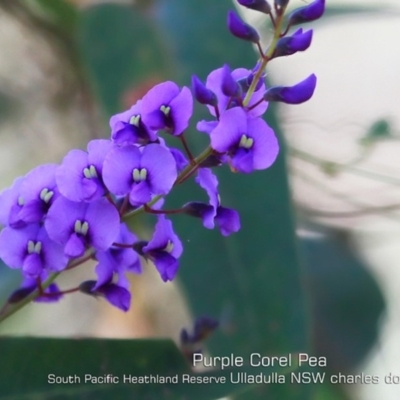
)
(267, 56)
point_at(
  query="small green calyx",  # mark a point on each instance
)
(34, 247)
(46, 195)
(165, 110)
(139, 175)
(169, 247)
(90, 172)
(245, 142)
(135, 120)
(81, 227)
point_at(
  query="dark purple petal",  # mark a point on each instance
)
(240, 29)
(299, 41)
(166, 264)
(307, 13)
(181, 111)
(161, 168)
(118, 167)
(257, 5)
(105, 268)
(242, 160)
(229, 86)
(180, 160)
(32, 265)
(206, 126)
(228, 221)
(116, 295)
(296, 94)
(53, 289)
(232, 124)
(202, 94)
(209, 182)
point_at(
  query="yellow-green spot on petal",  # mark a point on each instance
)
(84, 228)
(165, 110)
(135, 120)
(93, 171)
(38, 247)
(78, 226)
(143, 174)
(245, 142)
(139, 175)
(136, 175)
(48, 196)
(169, 247)
(31, 247)
(43, 193)
(86, 173)
(21, 201)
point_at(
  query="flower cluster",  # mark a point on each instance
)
(58, 216)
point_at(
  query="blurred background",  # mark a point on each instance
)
(319, 269)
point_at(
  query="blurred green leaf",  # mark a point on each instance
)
(346, 300)
(124, 53)
(380, 129)
(28, 364)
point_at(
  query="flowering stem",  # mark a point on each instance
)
(266, 57)
(152, 211)
(186, 147)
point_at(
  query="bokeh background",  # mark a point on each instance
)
(316, 264)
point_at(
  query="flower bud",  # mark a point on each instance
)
(202, 94)
(195, 209)
(289, 45)
(229, 85)
(296, 94)
(240, 29)
(307, 13)
(257, 5)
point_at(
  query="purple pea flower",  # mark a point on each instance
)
(226, 218)
(76, 226)
(38, 193)
(128, 127)
(240, 29)
(249, 142)
(117, 260)
(257, 5)
(201, 93)
(289, 45)
(166, 107)
(31, 249)
(164, 249)
(215, 81)
(140, 173)
(296, 94)
(117, 294)
(308, 13)
(11, 203)
(79, 177)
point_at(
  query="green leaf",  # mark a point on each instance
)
(31, 368)
(123, 52)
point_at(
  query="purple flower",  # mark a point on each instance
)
(166, 107)
(142, 174)
(128, 127)
(11, 203)
(31, 249)
(38, 192)
(117, 260)
(296, 94)
(117, 294)
(164, 249)
(308, 13)
(226, 218)
(77, 226)
(289, 45)
(249, 142)
(257, 5)
(215, 82)
(201, 93)
(240, 29)
(79, 177)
